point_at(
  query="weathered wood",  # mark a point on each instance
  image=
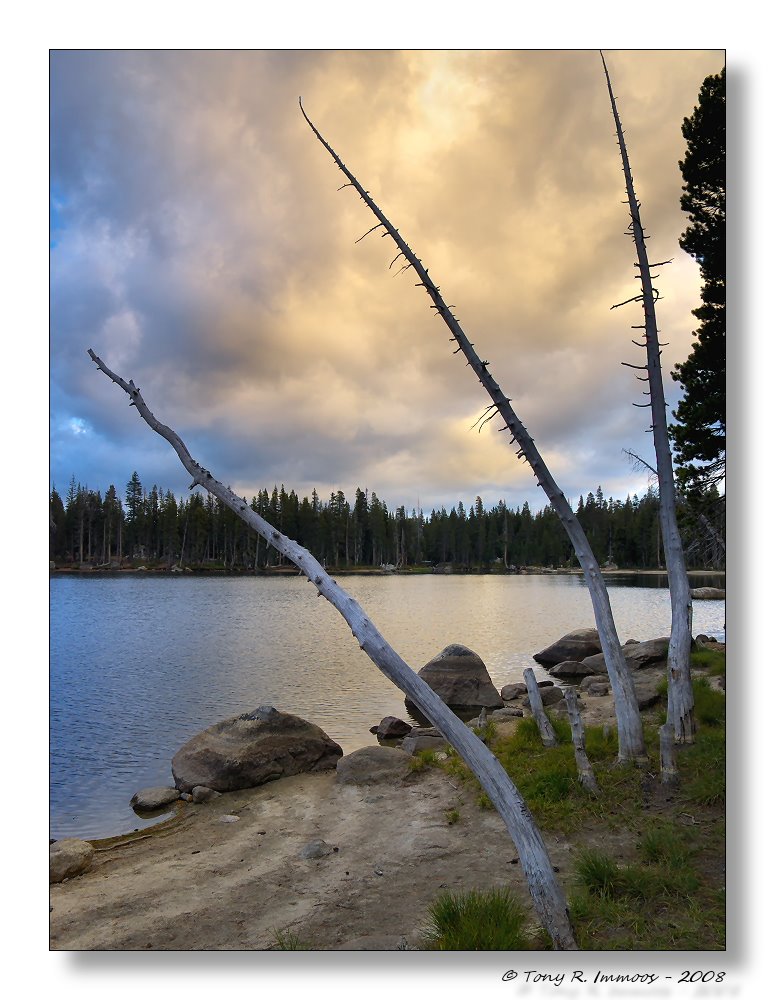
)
(630, 728)
(586, 774)
(667, 761)
(680, 697)
(545, 728)
(546, 892)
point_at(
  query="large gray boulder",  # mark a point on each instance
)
(637, 655)
(370, 765)
(250, 749)
(68, 858)
(460, 679)
(575, 645)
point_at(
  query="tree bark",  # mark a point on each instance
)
(546, 892)
(545, 730)
(630, 729)
(667, 762)
(680, 697)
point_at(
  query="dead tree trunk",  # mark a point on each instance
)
(586, 774)
(667, 763)
(545, 890)
(630, 729)
(680, 698)
(545, 729)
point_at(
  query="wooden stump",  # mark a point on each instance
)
(586, 774)
(545, 730)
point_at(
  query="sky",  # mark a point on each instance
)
(200, 246)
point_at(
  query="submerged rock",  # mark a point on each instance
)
(250, 749)
(150, 799)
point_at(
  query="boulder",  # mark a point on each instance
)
(551, 695)
(370, 765)
(460, 679)
(593, 679)
(150, 799)
(575, 645)
(392, 728)
(248, 750)
(570, 668)
(512, 691)
(708, 594)
(637, 655)
(68, 858)
(598, 690)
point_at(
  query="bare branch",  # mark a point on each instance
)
(370, 231)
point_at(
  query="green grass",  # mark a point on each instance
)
(423, 759)
(657, 881)
(288, 941)
(712, 660)
(493, 920)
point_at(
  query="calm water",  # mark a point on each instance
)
(140, 664)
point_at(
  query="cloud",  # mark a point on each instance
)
(201, 248)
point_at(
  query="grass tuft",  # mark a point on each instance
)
(493, 920)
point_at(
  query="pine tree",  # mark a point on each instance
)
(700, 434)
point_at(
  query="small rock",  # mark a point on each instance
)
(708, 594)
(201, 793)
(228, 818)
(391, 728)
(372, 764)
(68, 858)
(149, 799)
(512, 691)
(597, 690)
(413, 743)
(507, 713)
(316, 849)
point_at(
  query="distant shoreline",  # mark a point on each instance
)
(361, 571)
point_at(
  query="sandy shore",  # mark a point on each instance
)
(204, 883)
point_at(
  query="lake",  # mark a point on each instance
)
(139, 664)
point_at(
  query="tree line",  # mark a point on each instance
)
(155, 527)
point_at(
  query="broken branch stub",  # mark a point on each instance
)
(630, 729)
(546, 892)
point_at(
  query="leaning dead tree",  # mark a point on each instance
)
(630, 729)
(546, 892)
(680, 698)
